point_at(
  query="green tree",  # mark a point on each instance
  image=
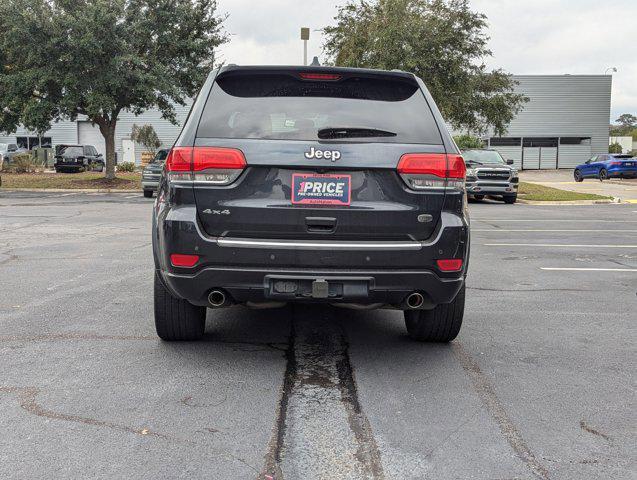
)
(615, 148)
(147, 136)
(465, 142)
(627, 124)
(60, 59)
(627, 120)
(441, 41)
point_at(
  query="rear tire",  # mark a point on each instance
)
(148, 193)
(603, 175)
(510, 199)
(441, 324)
(478, 197)
(577, 175)
(176, 319)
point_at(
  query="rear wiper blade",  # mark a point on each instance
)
(352, 132)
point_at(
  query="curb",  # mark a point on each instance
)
(69, 190)
(614, 201)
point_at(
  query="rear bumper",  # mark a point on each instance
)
(623, 173)
(150, 184)
(69, 166)
(383, 287)
(362, 272)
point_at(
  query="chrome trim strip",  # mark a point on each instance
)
(315, 245)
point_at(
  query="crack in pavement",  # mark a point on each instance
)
(587, 428)
(272, 465)
(188, 401)
(486, 392)
(321, 430)
(27, 399)
(367, 452)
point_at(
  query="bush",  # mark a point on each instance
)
(465, 142)
(615, 148)
(126, 167)
(22, 163)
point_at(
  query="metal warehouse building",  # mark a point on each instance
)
(565, 122)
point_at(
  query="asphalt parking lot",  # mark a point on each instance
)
(540, 384)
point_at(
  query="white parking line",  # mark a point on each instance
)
(590, 269)
(544, 230)
(555, 245)
(544, 220)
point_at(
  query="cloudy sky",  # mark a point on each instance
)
(527, 36)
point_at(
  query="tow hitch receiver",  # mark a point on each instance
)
(320, 288)
(283, 287)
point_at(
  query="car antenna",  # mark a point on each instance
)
(315, 62)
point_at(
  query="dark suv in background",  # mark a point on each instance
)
(312, 184)
(77, 158)
(152, 172)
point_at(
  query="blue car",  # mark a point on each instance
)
(609, 165)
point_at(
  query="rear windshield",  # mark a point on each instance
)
(284, 107)
(160, 157)
(70, 151)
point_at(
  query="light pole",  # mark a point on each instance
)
(612, 69)
(305, 36)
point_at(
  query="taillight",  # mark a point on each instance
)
(449, 264)
(430, 171)
(211, 165)
(179, 159)
(183, 260)
(615, 163)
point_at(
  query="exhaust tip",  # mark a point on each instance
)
(415, 300)
(217, 298)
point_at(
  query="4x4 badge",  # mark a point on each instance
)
(327, 154)
(217, 212)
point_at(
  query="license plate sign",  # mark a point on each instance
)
(321, 189)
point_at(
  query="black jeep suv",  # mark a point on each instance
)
(312, 184)
(77, 158)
